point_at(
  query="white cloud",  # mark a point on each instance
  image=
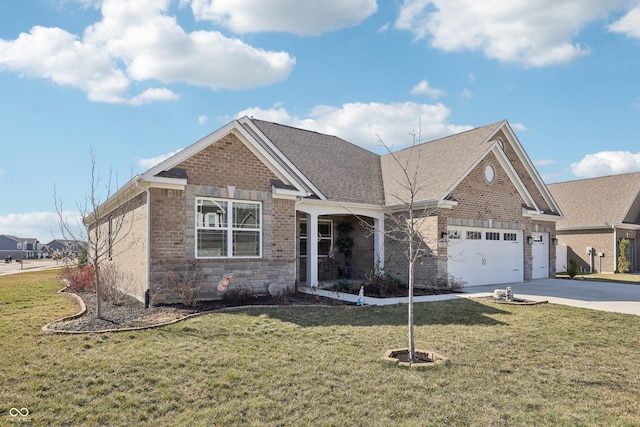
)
(423, 88)
(151, 95)
(359, 122)
(384, 28)
(544, 162)
(628, 25)
(532, 33)
(519, 127)
(151, 162)
(466, 93)
(292, 16)
(202, 119)
(138, 41)
(44, 226)
(606, 163)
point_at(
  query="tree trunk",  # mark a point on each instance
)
(98, 296)
(410, 304)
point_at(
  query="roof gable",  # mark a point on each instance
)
(436, 165)
(598, 202)
(167, 172)
(440, 165)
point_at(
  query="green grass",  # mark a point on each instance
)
(300, 366)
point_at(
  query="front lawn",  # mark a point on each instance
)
(510, 365)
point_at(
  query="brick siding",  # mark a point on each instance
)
(211, 173)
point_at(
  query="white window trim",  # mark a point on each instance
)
(229, 228)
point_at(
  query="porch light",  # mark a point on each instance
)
(530, 240)
(554, 241)
(444, 236)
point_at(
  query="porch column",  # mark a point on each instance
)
(312, 250)
(378, 242)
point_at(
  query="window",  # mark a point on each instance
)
(510, 237)
(491, 235)
(454, 235)
(325, 237)
(19, 245)
(228, 228)
(474, 235)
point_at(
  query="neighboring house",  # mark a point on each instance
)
(67, 247)
(263, 201)
(598, 213)
(18, 247)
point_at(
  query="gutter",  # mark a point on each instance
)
(147, 292)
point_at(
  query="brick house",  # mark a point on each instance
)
(265, 202)
(598, 213)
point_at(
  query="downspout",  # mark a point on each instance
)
(147, 292)
(615, 249)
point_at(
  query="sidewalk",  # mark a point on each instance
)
(28, 265)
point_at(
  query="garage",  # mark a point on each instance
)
(485, 256)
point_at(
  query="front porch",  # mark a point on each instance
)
(318, 227)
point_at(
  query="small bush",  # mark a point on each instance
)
(449, 284)
(79, 279)
(572, 270)
(238, 296)
(624, 265)
(114, 284)
(383, 285)
(341, 286)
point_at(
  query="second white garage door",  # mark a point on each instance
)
(481, 256)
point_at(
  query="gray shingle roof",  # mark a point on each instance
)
(598, 201)
(341, 170)
(441, 164)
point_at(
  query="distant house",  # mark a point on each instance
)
(18, 247)
(598, 213)
(264, 202)
(69, 247)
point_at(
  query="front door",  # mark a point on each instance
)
(325, 243)
(540, 254)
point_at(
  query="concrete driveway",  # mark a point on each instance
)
(602, 296)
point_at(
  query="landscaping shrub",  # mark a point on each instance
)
(78, 279)
(383, 285)
(572, 270)
(114, 284)
(238, 296)
(341, 286)
(449, 284)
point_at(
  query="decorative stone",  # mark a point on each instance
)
(278, 289)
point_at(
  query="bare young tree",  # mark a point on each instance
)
(104, 224)
(407, 215)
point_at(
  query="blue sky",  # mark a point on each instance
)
(137, 80)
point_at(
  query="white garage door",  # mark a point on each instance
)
(540, 254)
(481, 256)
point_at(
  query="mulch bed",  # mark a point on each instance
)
(128, 313)
(514, 301)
